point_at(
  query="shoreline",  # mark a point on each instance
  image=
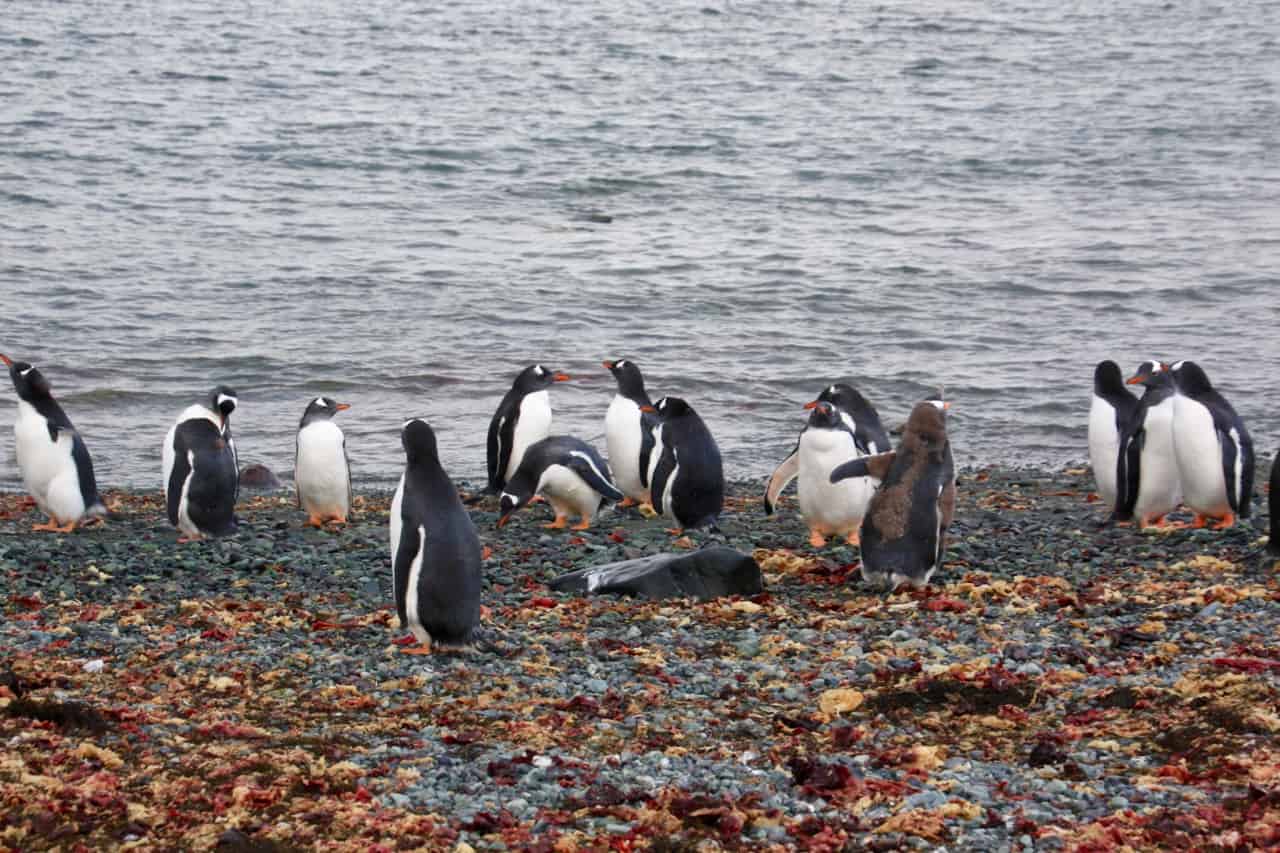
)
(1057, 685)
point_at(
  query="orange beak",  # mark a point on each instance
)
(608, 365)
(649, 409)
(812, 404)
(1135, 380)
(561, 377)
(342, 407)
(946, 404)
(502, 521)
(5, 359)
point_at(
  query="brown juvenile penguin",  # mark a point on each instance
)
(904, 531)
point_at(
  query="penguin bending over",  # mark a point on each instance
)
(1109, 413)
(904, 531)
(523, 417)
(435, 550)
(201, 480)
(1213, 449)
(629, 432)
(856, 414)
(55, 463)
(321, 467)
(686, 476)
(1147, 483)
(569, 473)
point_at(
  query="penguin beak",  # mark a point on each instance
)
(946, 405)
(503, 521)
(812, 404)
(1135, 380)
(650, 409)
(342, 407)
(561, 377)
(608, 365)
(5, 359)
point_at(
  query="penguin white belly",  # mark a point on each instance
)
(321, 470)
(396, 502)
(1104, 448)
(834, 508)
(533, 425)
(1199, 454)
(568, 493)
(622, 434)
(1159, 488)
(48, 469)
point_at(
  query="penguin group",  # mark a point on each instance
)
(1181, 442)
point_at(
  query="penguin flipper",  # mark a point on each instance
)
(866, 466)
(347, 459)
(647, 423)
(406, 552)
(661, 474)
(502, 433)
(177, 477)
(782, 477)
(93, 504)
(1129, 473)
(585, 467)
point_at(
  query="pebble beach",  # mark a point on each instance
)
(1059, 686)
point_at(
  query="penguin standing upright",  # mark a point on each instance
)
(569, 472)
(686, 477)
(55, 463)
(1109, 413)
(523, 417)
(435, 551)
(1213, 449)
(628, 432)
(321, 468)
(904, 531)
(1147, 483)
(200, 475)
(856, 414)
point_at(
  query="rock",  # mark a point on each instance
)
(259, 478)
(709, 573)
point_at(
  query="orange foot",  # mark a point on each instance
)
(582, 525)
(53, 527)
(676, 531)
(1226, 521)
(316, 522)
(816, 539)
(854, 539)
(424, 649)
(184, 539)
(486, 552)
(627, 501)
(340, 521)
(559, 524)
(537, 499)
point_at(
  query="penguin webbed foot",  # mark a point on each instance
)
(52, 526)
(584, 524)
(816, 539)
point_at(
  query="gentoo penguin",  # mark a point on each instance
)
(1273, 505)
(1213, 449)
(904, 531)
(1110, 411)
(569, 473)
(321, 468)
(1147, 484)
(200, 475)
(686, 478)
(53, 458)
(435, 551)
(628, 432)
(862, 421)
(523, 417)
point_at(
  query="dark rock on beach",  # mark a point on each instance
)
(1058, 686)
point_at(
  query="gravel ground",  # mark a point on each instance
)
(1059, 686)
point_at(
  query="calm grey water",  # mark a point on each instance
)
(398, 205)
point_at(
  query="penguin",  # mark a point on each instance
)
(629, 432)
(904, 531)
(55, 463)
(1109, 413)
(569, 473)
(435, 550)
(321, 468)
(856, 413)
(1273, 505)
(1213, 449)
(201, 479)
(686, 477)
(523, 417)
(1147, 483)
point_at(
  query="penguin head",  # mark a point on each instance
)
(840, 395)
(222, 400)
(28, 381)
(627, 375)
(322, 409)
(1190, 377)
(535, 377)
(671, 407)
(823, 415)
(419, 441)
(515, 494)
(1107, 378)
(926, 429)
(1149, 373)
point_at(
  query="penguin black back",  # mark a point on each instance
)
(689, 476)
(1108, 383)
(205, 460)
(1273, 504)
(436, 560)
